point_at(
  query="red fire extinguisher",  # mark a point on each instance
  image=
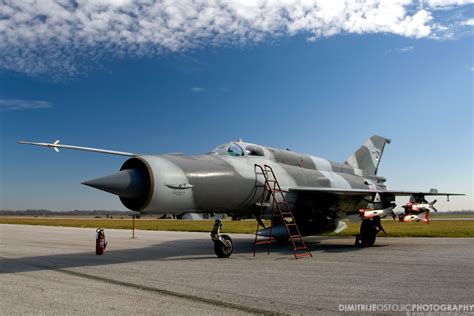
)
(100, 242)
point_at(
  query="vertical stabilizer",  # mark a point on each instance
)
(368, 156)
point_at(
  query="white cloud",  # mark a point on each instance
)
(469, 22)
(197, 89)
(68, 36)
(447, 3)
(407, 49)
(16, 104)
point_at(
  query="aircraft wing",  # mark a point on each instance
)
(338, 191)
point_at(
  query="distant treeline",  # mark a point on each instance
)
(121, 213)
(457, 212)
(66, 213)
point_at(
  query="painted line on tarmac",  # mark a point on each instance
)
(194, 298)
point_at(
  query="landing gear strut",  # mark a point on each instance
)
(223, 245)
(368, 232)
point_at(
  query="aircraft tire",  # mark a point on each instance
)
(368, 233)
(224, 250)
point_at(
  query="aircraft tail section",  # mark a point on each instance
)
(368, 156)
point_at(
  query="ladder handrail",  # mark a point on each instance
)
(266, 170)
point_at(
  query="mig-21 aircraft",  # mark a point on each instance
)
(319, 194)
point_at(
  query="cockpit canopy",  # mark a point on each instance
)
(238, 149)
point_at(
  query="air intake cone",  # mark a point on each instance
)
(126, 184)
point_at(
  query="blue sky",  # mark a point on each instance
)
(324, 96)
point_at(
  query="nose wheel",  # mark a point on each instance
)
(223, 245)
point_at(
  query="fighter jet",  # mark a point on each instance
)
(232, 178)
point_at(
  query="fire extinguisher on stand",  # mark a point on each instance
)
(100, 242)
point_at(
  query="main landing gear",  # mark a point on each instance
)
(223, 245)
(368, 232)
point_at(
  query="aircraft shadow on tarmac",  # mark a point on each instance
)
(188, 249)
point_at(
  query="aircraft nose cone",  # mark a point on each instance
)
(126, 184)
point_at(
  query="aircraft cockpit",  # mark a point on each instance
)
(238, 149)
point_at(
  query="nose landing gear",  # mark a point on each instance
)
(223, 246)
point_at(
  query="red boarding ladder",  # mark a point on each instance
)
(280, 207)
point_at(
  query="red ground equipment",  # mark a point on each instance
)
(100, 242)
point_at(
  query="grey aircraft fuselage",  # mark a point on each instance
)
(220, 182)
(226, 181)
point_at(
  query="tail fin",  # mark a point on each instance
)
(368, 156)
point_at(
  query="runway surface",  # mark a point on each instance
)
(54, 270)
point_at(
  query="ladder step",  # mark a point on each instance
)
(295, 236)
(290, 224)
(305, 254)
(301, 248)
(305, 250)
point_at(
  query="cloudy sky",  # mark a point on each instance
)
(159, 76)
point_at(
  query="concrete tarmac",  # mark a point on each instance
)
(54, 270)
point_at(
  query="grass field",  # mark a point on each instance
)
(451, 215)
(445, 228)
